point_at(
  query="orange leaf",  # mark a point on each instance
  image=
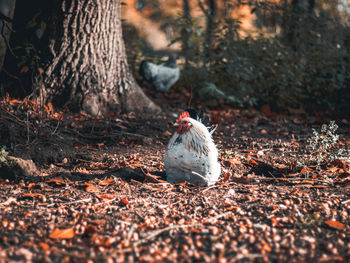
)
(267, 248)
(31, 185)
(106, 197)
(306, 169)
(234, 161)
(55, 182)
(227, 176)
(24, 69)
(67, 233)
(41, 71)
(309, 182)
(335, 224)
(44, 246)
(14, 102)
(333, 169)
(125, 201)
(90, 187)
(106, 182)
(231, 208)
(47, 109)
(254, 162)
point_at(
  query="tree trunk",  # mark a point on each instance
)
(7, 9)
(87, 67)
(210, 14)
(187, 35)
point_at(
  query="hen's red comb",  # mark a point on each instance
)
(183, 115)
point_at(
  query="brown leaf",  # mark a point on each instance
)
(31, 185)
(40, 196)
(338, 163)
(335, 224)
(67, 233)
(43, 246)
(332, 170)
(234, 161)
(24, 69)
(306, 169)
(227, 176)
(89, 187)
(56, 182)
(107, 182)
(77, 145)
(125, 201)
(254, 162)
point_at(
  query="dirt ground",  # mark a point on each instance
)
(97, 190)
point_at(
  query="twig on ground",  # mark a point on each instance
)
(211, 187)
(132, 229)
(201, 176)
(346, 202)
(218, 216)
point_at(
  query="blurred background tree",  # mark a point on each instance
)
(289, 54)
(285, 53)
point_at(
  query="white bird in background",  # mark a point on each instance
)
(160, 77)
(191, 154)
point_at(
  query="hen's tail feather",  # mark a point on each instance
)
(145, 70)
(199, 117)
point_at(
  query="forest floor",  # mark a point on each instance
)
(96, 190)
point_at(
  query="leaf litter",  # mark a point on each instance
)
(102, 194)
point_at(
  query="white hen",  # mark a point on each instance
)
(191, 154)
(160, 77)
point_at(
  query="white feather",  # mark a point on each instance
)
(192, 156)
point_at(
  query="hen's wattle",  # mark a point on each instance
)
(191, 154)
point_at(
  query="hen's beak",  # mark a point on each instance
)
(176, 124)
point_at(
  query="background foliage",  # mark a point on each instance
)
(296, 53)
(296, 56)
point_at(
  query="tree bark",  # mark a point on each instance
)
(7, 9)
(186, 38)
(87, 67)
(210, 14)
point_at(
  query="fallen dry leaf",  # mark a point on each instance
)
(43, 246)
(335, 224)
(67, 233)
(333, 169)
(254, 162)
(107, 182)
(90, 187)
(40, 196)
(306, 169)
(56, 182)
(125, 201)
